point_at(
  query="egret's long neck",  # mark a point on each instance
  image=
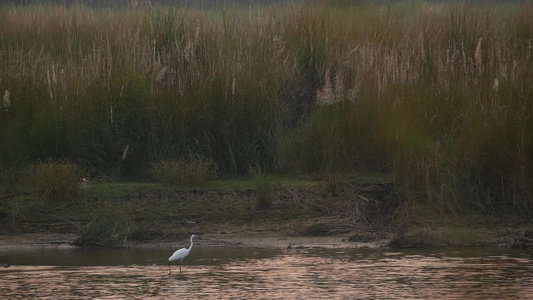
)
(190, 247)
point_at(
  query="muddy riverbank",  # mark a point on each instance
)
(362, 213)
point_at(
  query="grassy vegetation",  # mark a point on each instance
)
(117, 214)
(437, 94)
(193, 171)
(55, 180)
(123, 214)
(264, 192)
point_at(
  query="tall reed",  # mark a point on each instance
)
(439, 94)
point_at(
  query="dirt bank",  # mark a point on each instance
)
(489, 236)
(358, 213)
(277, 236)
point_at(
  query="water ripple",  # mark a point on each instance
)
(291, 274)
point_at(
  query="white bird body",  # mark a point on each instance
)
(180, 255)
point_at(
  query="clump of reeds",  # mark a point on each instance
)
(113, 227)
(190, 171)
(55, 179)
(265, 195)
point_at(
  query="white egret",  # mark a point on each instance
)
(179, 254)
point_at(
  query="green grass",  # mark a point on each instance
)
(116, 214)
(437, 94)
(123, 213)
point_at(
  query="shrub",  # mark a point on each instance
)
(191, 171)
(113, 227)
(55, 180)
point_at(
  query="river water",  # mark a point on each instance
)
(251, 273)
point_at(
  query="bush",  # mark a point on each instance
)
(55, 180)
(112, 228)
(192, 171)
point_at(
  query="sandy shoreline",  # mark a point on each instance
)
(283, 238)
(240, 239)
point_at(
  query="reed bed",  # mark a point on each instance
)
(439, 94)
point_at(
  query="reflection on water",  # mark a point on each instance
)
(261, 273)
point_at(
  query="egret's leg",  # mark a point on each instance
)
(169, 271)
(180, 268)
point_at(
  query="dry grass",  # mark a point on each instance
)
(55, 180)
(191, 171)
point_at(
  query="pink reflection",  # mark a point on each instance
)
(292, 275)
